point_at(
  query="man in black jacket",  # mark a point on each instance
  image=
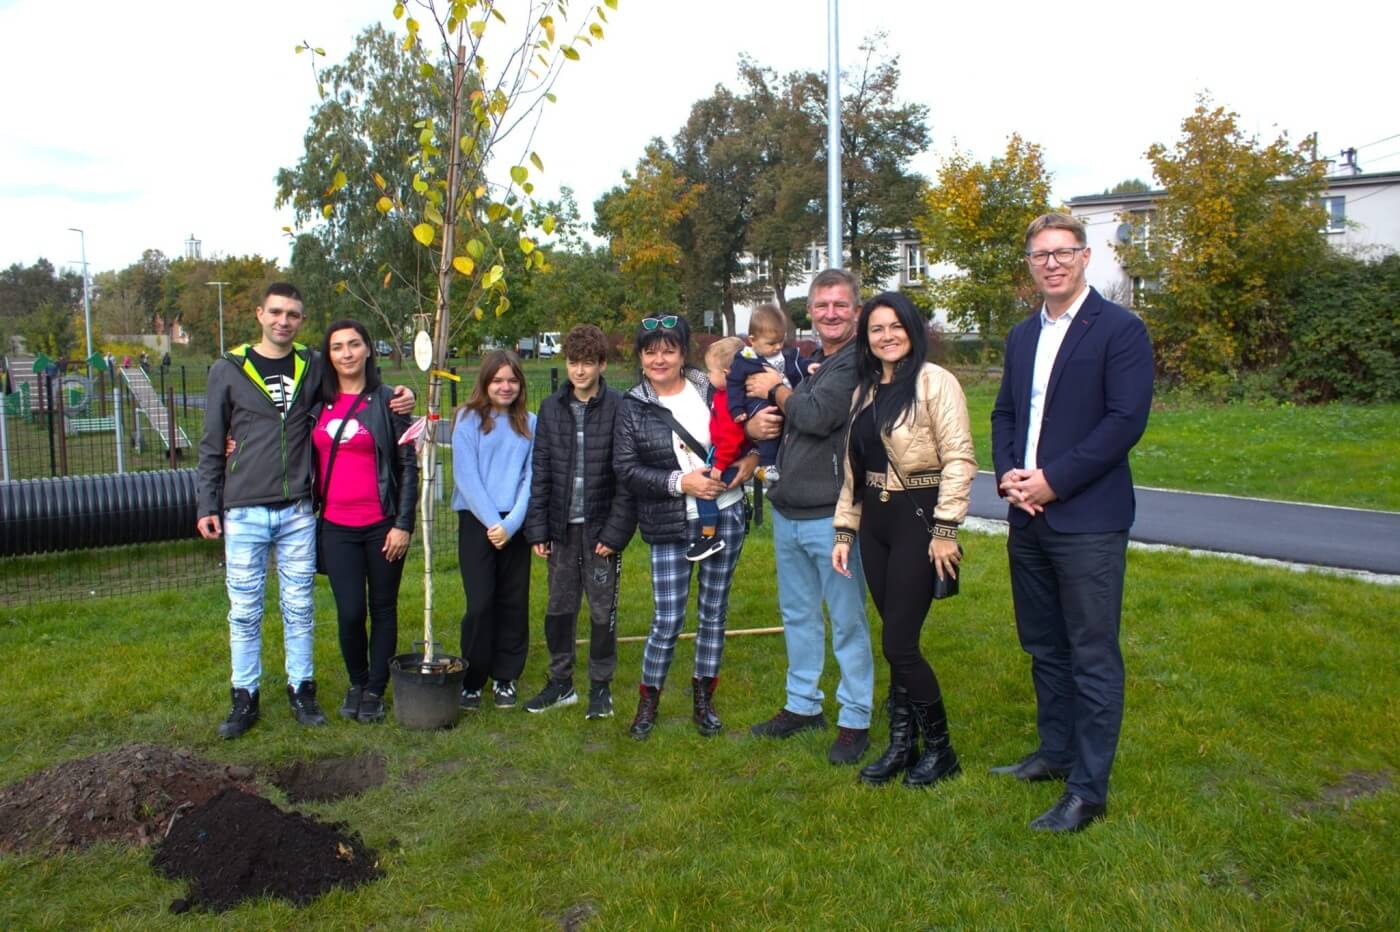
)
(580, 518)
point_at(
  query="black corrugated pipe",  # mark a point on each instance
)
(86, 512)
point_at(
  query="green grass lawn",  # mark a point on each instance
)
(1335, 454)
(1253, 695)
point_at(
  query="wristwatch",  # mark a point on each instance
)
(773, 394)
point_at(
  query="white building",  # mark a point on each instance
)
(1363, 219)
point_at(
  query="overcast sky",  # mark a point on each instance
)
(144, 123)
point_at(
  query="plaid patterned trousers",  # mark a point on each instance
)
(670, 587)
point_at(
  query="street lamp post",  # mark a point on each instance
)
(87, 300)
(833, 141)
(221, 313)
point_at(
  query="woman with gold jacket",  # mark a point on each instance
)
(909, 469)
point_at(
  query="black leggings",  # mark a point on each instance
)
(496, 626)
(894, 552)
(354, 558)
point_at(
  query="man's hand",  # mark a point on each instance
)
(760, 384)
(744, 468)
(403, 400)
(498, 536)
(541, 549)
(1027, 489)
(840, 559)
(603, 550)
(209, 527)
(229, 446)
(766, 424)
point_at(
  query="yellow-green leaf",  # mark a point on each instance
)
(468, 144)
(518, 173)
(464, 265)
(547, 22)
(300, 49)
(287, 230)
(476, 312)
(595, 30)
(478, 27)
(384, 205)
(612, 4)
(320, 51)
(327, 210)
(493, 276)
(528, 187)
(423, 232)
(398, 11)
(497, 13)
(536, 161)
(474, 248)
(379, 181)
(431, 212)
(502, 305)
(526, 246)
(549, 96)
(569, 52)
(548, 225)
(338, 182)
(411, 25)
(495, 211)
(538, 258)
(425, 69)
(342, 286)
(419, 184)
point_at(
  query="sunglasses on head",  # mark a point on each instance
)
(667, 322)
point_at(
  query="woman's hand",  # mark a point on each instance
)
(498, 536)
(395, 544)
(744, 469)
(700, 484)
(840, 559)
(944, 556)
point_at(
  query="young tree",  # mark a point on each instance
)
(24, 289)
(1232, 240)
(975, 218)
(49, 329)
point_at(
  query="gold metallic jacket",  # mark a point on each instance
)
(935, 450)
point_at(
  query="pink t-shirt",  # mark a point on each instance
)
(353, 497)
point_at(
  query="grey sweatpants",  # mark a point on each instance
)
(575, 570)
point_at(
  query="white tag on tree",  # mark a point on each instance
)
(423, 350)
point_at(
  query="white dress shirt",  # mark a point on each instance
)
(1052, 335)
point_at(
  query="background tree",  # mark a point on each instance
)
(1233, 239)
(117, 308)
(50, 329)
(639, 218)
(879, 136)
(1129, 186)
(24, 289)
(187, 298)
(975, 218)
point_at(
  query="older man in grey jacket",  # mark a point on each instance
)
(812, 420)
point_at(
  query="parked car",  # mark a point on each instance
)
(383, 348)
(539, 345)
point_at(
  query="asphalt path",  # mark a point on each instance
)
(1318, 535)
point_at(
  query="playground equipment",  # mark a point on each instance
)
(85, 512)
(157, 413)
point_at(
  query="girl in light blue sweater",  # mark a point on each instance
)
(491, 445)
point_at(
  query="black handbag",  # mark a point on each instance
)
(330, 464)
(944, 587)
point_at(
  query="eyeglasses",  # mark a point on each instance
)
(1064, 256)
(667, 322)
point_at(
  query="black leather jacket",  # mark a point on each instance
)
(396, 467)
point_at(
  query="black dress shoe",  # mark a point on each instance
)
(1033, 769)
(1070, 814)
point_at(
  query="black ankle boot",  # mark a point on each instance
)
(305, 709)
(706, 718)
(904, 746)
(939, 761)
(646, 712)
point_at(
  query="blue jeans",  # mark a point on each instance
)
(806, 579)
(249, 532)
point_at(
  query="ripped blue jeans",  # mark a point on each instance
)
(249, 533)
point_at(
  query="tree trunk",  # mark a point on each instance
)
(727, 308)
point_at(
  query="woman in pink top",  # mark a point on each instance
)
(367, 487)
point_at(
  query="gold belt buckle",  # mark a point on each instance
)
(884, 495)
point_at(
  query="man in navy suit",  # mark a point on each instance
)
(1074, 398)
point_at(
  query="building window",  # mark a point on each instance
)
(1336, 209)
(915, 265)
(812, 259)
(758, 269)
(1141, 237)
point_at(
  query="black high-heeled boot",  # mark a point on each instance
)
(904, 747)
(939, 760)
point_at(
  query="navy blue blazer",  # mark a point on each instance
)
(1096, 407)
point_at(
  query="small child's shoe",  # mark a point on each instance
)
(704, 547)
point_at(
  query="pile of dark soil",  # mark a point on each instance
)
(238, 846)
(332, 778)
(128, 795)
